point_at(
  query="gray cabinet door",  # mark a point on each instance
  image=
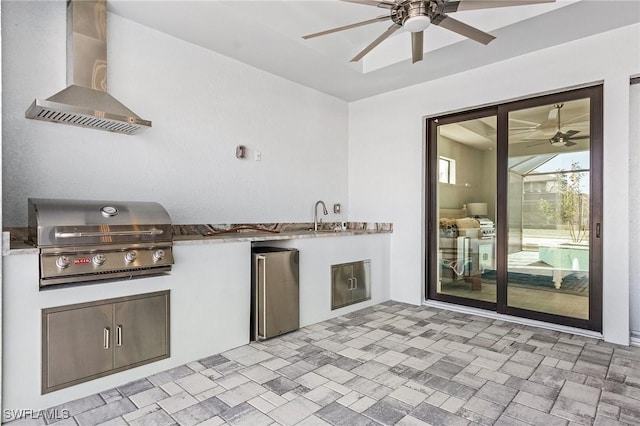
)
(341, 285)
(79, 345)
(88, 340)
(360, 289)
(350, 283)
(140, 330)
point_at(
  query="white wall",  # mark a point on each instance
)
(386, 149)
(202, 105)
(472, 184)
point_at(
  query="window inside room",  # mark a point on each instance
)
(447, 170)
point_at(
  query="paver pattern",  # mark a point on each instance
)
(389, 364)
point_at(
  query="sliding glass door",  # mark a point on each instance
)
(514, 197)
(465, 196)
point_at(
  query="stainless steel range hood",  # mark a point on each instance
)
(85, 102)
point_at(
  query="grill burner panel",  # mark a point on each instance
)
(85, 241)
(63, 266)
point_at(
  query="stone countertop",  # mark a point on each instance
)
(204, 234)
(14, 239)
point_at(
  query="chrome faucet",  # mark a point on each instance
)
(315, 214)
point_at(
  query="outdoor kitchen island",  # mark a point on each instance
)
(209, 297)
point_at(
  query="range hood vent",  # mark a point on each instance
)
(85, 102)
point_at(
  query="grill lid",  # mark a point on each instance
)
(61, 222)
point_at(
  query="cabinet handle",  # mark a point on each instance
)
(119, 335)
(350, 280)
(355, 283)
(264, 299)
(106, 337)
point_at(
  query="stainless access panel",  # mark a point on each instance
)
(141, 330)
(350, 283)
(85, 341)
(275, 292)
(361, 288)
(78, 345)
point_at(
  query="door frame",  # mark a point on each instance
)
(431, 209)
(501, 111)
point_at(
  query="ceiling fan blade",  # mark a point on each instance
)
(539, 143)
(575, 138)
(462, 5)
(523, 134)
(569, 143)
(557, 135)
(385, 4)
(392, 29)
(523, 129)
(462, 29)
(570, 133)
(347, 27)
(417, 50)
(550, 125)
(527, 122)
(577, 119)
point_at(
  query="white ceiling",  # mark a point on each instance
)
(268, 35)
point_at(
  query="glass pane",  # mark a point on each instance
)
(466, 209)
(443, 170)
(548, 209)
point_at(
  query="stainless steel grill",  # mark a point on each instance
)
(84, 241)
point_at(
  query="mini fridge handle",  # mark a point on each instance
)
(264, 299)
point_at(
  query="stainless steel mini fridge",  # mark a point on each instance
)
(275, 292)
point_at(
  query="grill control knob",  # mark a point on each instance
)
(130, 256)
(99, 259)
(158, 254)
(63, 262)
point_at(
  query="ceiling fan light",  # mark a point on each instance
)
(415, 24)
(557, 141)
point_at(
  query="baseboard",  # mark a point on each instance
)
(635, 338)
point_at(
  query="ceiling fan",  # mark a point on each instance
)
(416, 15)
(560, 138)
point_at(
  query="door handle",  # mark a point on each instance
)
(597, 230)
(119, 335)
(106, 337)
(264, 299)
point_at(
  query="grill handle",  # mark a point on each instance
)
(108, 234)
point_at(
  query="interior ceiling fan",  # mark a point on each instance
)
(415, 16)
(560, 138)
